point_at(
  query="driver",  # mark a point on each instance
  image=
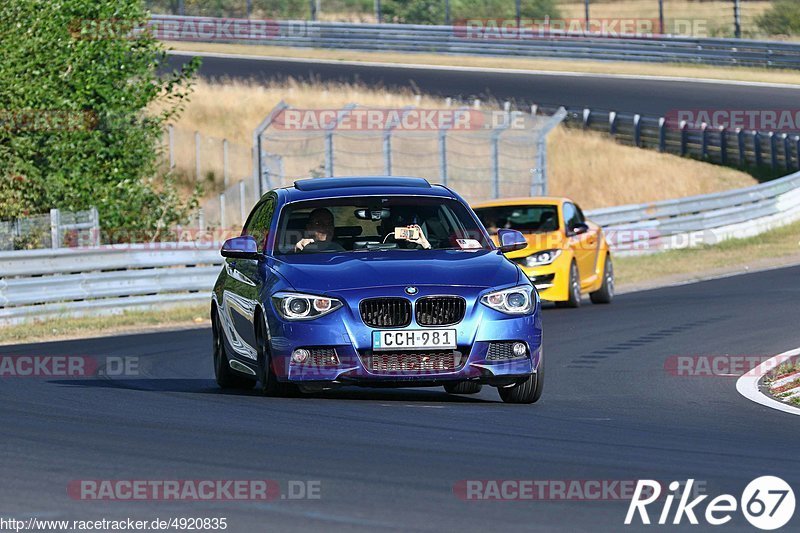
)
(319, 233)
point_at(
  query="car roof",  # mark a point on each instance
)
(315, 188)
(530, 200)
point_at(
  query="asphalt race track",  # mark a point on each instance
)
(389, 459)
(644, 96)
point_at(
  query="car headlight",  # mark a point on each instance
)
(297, 306)
(513, 301)
(545, 257)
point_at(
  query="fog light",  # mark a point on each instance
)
(300, 355)
(519, 349)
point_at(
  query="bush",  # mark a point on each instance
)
(782, 18)
(433, 11)
(75, 87)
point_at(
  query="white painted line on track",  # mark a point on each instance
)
(454, 68)
(747, 385)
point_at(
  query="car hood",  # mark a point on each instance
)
(333, 272)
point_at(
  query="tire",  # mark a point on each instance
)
(463, 387)
(529, 391)
(268, 381)
(605, 293)
(574, 299)
(225, 376)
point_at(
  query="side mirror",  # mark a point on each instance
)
(244, 247)
(511, 240)
(578, 228)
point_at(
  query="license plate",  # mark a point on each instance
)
(414, 339)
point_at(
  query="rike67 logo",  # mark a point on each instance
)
(767, 503)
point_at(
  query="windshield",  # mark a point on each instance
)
(374, 223)
(524, 218)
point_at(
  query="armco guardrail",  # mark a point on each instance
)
(480, 41)
(42, 283)
(704, 219)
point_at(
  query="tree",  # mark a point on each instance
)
(76, 81)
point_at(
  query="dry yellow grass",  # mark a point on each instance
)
(629, 68)
(591, 168)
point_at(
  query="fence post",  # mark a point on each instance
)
(55, 226)
(612, 123)
(703, 140)
(757, 148)
(201, 219)
(684, 127)
(740, 142)
(242, 212)
(225, 162)
(329, 128)
(496, 164)
(773, 149)
(587, 115)
(222, 220)
(197, 155)
(662, 134)
(94, 217)
(723, 145)
(637, 130)
(171, 145)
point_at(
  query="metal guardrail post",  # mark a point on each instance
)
(740, 145)
(55, 228)
(797, 149)
(662, 134)
(637, 130)
(757, 149)
(612, 123)
(723, 145)
(94, 217)
(587, 116)
(684, 127)
(773, 149)
(703, 140)
(787, 152)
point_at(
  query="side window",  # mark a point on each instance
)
(571, 216)
(581, 218)
(258, 223)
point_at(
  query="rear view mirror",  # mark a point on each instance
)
(511, 240)
(372, 214)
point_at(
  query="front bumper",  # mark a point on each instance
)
(344, 332)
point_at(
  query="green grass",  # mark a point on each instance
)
(61, 328)
(705, 260)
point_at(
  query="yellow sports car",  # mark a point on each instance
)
(567, 255)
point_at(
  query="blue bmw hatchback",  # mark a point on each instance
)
(379, 281)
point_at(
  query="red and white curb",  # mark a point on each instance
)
(747, 385)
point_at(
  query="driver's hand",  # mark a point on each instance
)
(302, 244)
(422, 241)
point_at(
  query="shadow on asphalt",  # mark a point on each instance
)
(208, 386)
